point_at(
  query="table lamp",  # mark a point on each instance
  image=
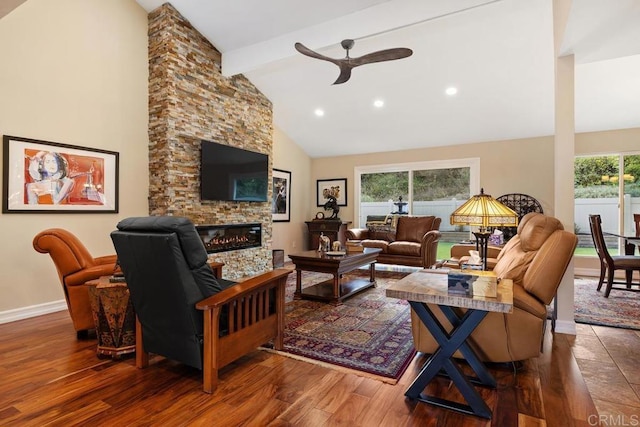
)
(484, 211)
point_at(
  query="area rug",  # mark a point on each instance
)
(620, 310)
(368, 333)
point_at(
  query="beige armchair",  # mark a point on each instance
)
(535, 259)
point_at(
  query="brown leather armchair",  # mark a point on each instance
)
(75, 267)
(535, 259)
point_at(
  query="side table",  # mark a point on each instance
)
(430, 287)
(114, 317)
(216, 267)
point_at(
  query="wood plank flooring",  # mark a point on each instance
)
(48, 377)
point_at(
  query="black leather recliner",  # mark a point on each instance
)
(182, 310)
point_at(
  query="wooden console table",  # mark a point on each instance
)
(429, 287)
(333, 229)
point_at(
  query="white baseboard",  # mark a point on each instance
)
(589, 272)
(566, 327)
(592, 272)
(32, 311)
(562, 326)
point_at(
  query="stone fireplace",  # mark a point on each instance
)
(190, 100)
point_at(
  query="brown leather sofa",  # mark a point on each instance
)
(535, 259)
(414, 241)
(75, 267)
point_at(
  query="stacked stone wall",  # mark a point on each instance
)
(189, 101)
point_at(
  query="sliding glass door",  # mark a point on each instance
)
(423, 188)
(434, 185)
(630, 188)
(379, 190)
(609, 186)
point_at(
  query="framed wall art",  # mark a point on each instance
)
(281, 200)
(332, 187)
(50, 177)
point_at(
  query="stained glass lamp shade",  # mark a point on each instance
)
(484, 211)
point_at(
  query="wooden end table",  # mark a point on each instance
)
(216, 267)
(334, 290)
(428, 287)
(113, 316)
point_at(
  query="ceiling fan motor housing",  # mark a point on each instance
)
(347, 44)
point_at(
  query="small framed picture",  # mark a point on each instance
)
(281, 200)
(328, 188)
(50, 177)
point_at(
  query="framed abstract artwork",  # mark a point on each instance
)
(50, 177)
(281, 200)
(332, 188)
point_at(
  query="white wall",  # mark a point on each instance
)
(75, 72)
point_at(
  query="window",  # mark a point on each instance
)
(426, 188)
(440, 184)
(608, 185)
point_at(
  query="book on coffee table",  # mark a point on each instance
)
(354, 246)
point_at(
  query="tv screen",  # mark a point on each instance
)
(230, 173)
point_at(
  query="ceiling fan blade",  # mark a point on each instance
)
(348, 63)
(308, 52)
(345, 72)
(382, 55)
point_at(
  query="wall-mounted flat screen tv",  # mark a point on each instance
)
(232, 174)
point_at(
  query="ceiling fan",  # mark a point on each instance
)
(347, 63)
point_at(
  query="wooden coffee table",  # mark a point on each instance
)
(334, 290)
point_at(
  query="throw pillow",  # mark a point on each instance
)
(382, 232)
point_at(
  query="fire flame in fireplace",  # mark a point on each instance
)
(221, 238)
(227, 242)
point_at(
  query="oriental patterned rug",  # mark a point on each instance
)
(620, 310)
(368, 333)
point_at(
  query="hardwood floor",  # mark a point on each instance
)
(48, 377)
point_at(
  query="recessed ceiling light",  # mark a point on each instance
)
(319, 112)
(378, 103)
(451, 91)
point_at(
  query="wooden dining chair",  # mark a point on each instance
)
(636, 219)
(609, 264)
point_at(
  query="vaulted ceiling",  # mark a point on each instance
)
(498, 54)
(7, 6)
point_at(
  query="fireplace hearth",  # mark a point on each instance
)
(230, 237)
